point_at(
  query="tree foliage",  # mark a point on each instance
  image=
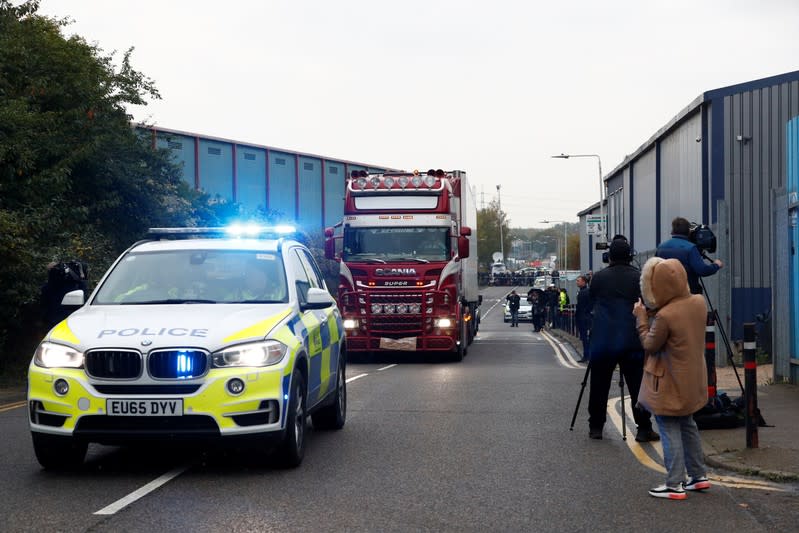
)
(488, 236)
(76, 179)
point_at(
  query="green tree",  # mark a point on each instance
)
(488, 238)
(76, 179)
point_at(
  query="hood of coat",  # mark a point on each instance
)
(663, 280)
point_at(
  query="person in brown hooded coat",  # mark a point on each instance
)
(671, 326)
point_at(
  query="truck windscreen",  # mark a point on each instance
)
(396, 244)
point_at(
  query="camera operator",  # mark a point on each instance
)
(614, 340)
(61, 279)
(681, 247)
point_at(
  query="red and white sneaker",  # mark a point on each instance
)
(696, 483)
(671, 493)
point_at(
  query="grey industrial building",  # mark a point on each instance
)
(730, 160)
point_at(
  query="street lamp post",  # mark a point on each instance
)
(499, 218)
(565, 242)
(603, 236)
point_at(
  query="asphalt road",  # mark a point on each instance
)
(481, 445)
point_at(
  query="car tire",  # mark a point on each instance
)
(55, 452)
(333, 416)
(291, 450)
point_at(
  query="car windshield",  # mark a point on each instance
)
(195, 276)
(379, 245)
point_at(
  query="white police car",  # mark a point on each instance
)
(195, 334)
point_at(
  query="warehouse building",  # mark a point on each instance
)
(730, 160)
(303, 188)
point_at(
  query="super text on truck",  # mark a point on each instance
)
(407, 248)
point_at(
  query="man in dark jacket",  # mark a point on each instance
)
(681, 248)
(614, 339)
(513, 306)
(582, 314)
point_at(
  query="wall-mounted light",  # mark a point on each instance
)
(743, 139)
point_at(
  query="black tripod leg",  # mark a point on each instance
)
(580, 398)
(623, 412)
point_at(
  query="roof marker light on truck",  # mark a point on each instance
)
(403, 181)
(361, 183)
(375, 182)
(388, 181)
(416, 181)
(430, 181)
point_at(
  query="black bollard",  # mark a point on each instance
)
(750, 385)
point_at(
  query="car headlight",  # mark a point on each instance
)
(49, 355)
(255, 354)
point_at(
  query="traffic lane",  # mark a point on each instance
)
(397, 450)
(422, 450)
(37, 500)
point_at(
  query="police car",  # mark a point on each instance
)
(194, 333)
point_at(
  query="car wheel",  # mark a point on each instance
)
(58, 453)
(334, 415)
(292, 449)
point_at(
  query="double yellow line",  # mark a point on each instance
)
(10, 406)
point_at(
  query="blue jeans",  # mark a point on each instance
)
(682, 448)
(514, 317)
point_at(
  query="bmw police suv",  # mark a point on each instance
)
(194, 333)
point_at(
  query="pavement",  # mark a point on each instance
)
(776, 456)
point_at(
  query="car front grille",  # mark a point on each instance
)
(113, 364)
(177, 364)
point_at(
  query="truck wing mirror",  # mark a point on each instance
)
(330, 244)
(466, 231)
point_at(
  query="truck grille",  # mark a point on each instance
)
(395, 315)
(177, 364)
(114, 364)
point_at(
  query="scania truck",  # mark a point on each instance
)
(407, 248)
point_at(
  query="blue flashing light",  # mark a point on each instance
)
(254, 230)
(184, 366)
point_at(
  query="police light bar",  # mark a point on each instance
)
(234, 230)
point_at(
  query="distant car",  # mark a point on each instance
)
(525, 312)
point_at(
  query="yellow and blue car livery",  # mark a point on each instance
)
(195, 369)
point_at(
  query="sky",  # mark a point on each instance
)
(492, 88)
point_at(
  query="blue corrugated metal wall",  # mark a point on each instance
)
(251, 178)
(302, 188)
(283, 184)
(216, 168)
(310, 191)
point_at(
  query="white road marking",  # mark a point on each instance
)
(386, 367)
(359, 376)
(142, 492)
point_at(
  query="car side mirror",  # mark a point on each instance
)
(317, 299)
(74, 298)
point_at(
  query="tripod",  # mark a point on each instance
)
(761, 421)
(580, 399)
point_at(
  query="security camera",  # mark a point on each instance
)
(699, 139)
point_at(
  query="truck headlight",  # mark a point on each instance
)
(350, 323)
(49, 355)
(264, 353)
(443, 323)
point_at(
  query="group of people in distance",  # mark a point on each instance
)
(651, 324)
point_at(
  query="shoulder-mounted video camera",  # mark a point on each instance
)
(703, 237)
(70, 271)
(621, 247)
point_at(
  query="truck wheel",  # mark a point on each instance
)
(292, 450)
(58, 453)
(334, 415)
(460, 349)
